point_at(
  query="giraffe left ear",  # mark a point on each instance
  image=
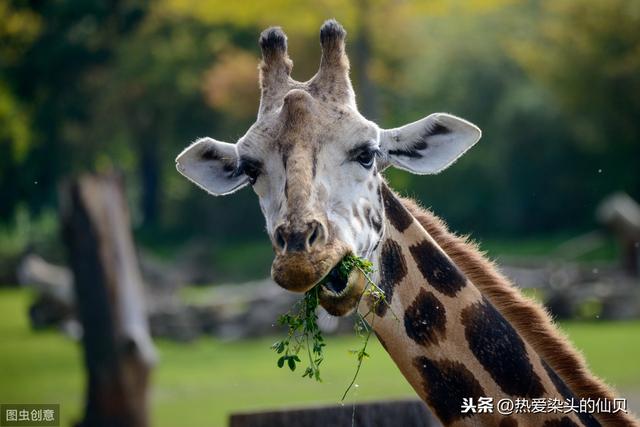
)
(429, 145)
(211, 165)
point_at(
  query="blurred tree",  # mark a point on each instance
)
(588, 56)
(54, 73)
(538, 168)
(87, 85)
(149, 101)
(19, 26)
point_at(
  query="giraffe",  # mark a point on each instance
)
(455, 327)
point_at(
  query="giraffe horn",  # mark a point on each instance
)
(275, 67)
(333, 75)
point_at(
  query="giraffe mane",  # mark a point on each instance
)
(528, 317)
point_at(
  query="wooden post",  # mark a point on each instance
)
(405, 413)
(621, 214)
(118, 350)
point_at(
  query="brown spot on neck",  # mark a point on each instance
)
(393, 268)
(397, 215)
(445, 383)
(425, 319)
(561, 422)
(500, 350)
(509, 422)
(437, 269)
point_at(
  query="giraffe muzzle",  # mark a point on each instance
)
(301, 270)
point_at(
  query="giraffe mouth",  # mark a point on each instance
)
(340, 295)
(335, 282)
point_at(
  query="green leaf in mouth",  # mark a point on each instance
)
(303, 331)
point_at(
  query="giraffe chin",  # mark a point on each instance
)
(342, 299)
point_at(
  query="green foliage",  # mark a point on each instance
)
(351, 262)
(587, 56)
(362, 328)
(303, 330)
(39, 234)
(14, 126)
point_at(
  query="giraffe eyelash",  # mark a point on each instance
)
(365, 155)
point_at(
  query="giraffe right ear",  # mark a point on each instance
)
(429, 145)
(212, 166)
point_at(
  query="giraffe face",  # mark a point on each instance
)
(314, 162)
(317, 186)
(314, 167)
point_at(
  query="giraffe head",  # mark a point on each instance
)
(315, 162)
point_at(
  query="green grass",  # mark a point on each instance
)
(36, 367)
(612, 349)
(199, 384)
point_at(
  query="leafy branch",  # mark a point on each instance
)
(303, 330)
(361, 327)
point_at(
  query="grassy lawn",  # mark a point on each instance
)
(199, 384)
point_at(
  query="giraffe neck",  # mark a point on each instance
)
(446, 338)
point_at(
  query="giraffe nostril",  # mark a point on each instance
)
(286, 239)
(281, 243)
(315, 234)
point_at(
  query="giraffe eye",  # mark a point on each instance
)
(251, 169)
(366, 157)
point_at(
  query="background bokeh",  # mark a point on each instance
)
(95, 85)
(555, 86)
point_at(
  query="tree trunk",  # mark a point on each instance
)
(118, 350)
(621, 215)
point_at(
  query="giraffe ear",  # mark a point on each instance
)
(212, 166)
(429, 145)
